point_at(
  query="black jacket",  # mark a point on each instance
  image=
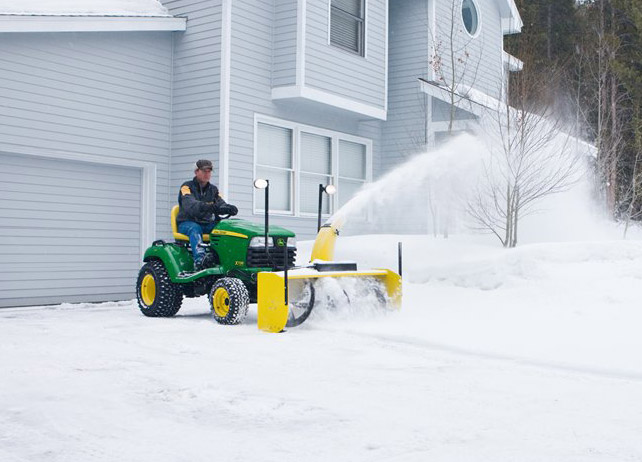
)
(198, 203)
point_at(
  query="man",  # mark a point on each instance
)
(200, 206)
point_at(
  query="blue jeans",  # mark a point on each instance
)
(195, 233)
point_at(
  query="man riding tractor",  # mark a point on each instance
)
(200, 205)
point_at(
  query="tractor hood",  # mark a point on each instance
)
(251, 229)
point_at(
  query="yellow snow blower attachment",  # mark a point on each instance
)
(286, 298)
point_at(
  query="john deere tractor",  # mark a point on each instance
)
(250, 265)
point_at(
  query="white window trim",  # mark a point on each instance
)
(365, 32)
(479, 19)
(297, 128)
(148, 186)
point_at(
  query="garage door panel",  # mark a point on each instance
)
(87, 226)
(11, 288)
(70, 231)
(32, 206)
(32, 166)
(97, 293)
(62, 190)
(36, 262)
(34, 216)
(62, 277)
(50, 198)
(12, 233)
(38, 182)
(56, 266)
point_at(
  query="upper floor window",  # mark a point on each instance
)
(470, 16)
(347, 29)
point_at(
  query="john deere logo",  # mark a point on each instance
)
(280, 242)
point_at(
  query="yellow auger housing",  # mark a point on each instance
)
(275, 313)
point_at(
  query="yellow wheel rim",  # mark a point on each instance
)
(221, 302)
(148, 290)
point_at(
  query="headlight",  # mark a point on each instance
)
(291, 241)
(258, 241)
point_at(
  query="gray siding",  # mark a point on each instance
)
(103, 94)
(338, 71)
(70, 231)
(284, 48)
(404, 132)
(482, 69)
(251, 83)
(196, 89)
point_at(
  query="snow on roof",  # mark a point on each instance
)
(151, 8)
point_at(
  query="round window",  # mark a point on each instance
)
(470, 16)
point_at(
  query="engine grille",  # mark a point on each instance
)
(257, 258)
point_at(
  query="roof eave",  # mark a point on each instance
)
(35, 23)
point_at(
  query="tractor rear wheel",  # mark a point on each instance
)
(158, 296)
(229, 301)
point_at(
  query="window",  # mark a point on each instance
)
(298, 158)
(470, 16)
(316, 169)
(275, 161)
(347, 28)
(352, 169)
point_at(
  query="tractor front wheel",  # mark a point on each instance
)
(158, 296)
(229, 301)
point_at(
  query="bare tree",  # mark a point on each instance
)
(531, 157)
(452, 61)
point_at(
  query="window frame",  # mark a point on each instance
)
(297, 128)
(362, 52)
(479, 19)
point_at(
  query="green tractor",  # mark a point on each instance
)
(240, 253)
(250, 266)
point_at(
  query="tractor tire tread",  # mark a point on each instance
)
(169, 296)
(239, 300)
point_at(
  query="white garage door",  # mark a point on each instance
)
(69, 231)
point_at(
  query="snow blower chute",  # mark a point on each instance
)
(287, 298)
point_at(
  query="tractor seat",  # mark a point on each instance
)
(178, 236)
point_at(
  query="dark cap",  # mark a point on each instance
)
(204, 164)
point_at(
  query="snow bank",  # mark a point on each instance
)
(83, 8)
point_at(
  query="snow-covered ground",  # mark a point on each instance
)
(527, 354)
(531, 354)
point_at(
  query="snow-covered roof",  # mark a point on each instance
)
(87, 16)
(147, 8)
(511, 19)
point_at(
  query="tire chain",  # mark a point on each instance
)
(238, 297)
(169, 296)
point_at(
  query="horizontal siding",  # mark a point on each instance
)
(65, 225)
(337, 71)
(196, 89)
(483, 67)
(105, 94)
(251, 85)
(404, 130)
(284, 43)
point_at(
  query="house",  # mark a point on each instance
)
(104, 110)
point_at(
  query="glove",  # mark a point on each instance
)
(210, 207)
(227, 209)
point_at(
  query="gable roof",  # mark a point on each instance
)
(147, 8)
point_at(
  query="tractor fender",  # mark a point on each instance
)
(175, 258)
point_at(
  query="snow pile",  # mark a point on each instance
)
(83, 8)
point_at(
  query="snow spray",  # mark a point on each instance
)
(429, 194)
